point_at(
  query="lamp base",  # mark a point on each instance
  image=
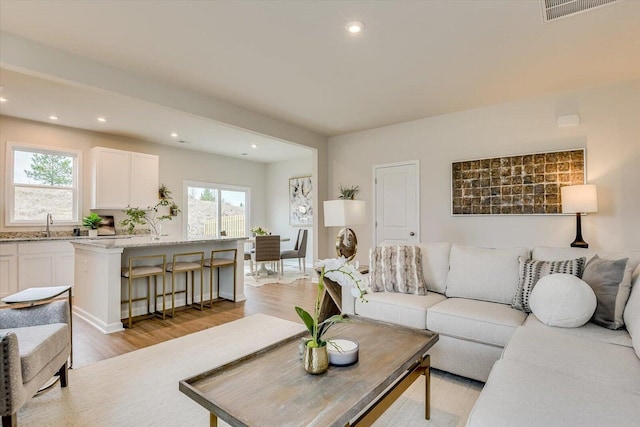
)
(346, 244)
(579, 242)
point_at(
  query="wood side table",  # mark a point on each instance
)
(331, 302)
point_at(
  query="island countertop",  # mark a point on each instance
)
(146, 241)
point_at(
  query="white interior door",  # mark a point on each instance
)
(397, 203)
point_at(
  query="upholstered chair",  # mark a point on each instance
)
(299, 251)
(35, 344)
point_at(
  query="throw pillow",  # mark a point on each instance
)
(611, 282)
(531, 271)
(396, 269)
(562, 300)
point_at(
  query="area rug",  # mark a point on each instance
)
(290, 275)
(141, 388)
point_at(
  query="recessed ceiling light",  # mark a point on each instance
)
(3, 99)
(102, 119)
(254, 145)
(53, 117)
(355, 27)
(174, 135)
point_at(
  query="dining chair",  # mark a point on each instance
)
(267, 250)
(299, 251)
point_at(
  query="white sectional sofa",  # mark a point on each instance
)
(535, 374)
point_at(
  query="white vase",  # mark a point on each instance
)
(93, 233)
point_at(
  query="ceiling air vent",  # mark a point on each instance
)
(555, 9)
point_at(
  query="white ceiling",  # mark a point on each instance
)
(294, 61)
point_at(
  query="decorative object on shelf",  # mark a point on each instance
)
(316, 359)
(348, 193)
(152, 215)
(92, 221)
(342, 352)
(300, 201)
(259, 230)
(343, 213)
(515, 185)
(579, 199)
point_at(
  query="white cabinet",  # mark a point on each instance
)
(8, 269)
(45, 264)
(123, 178)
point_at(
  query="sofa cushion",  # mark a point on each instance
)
(521, 394)
(611, 282)
(563, 300)
(576, 357)
(401, 309)
(435, 265)
(484, 274)
(37, 344)
(530, 271)
(588, 330)
(396, 268)
(631, 314)
(480, 321)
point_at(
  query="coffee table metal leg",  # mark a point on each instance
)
(427, 391)
(213, 420)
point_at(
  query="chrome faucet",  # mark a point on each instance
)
(49, 221)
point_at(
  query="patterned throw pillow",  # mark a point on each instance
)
(396, 269)
(531, 271)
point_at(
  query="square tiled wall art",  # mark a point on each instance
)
(515, 185)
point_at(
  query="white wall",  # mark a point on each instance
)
(278, 175)
(610, 132)
(176, 165)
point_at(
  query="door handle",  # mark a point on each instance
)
(412, 234)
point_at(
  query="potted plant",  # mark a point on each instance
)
(259, 231)
(348, 193)
(174, 209)
(150, 216)
(164, 192)
(316, 359)
(92, 222)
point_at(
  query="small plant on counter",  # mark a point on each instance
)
(92, 221)
(348, 193)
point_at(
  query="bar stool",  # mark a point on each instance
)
(139, 271)
(217, 263)
(186, 266)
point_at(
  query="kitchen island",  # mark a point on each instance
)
(98, 286)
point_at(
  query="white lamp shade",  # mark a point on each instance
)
(342, 213)
(579, 198)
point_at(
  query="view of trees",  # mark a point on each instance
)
(50, 169)
(207, 196)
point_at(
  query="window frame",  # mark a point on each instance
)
(219, 188)
(10, 185)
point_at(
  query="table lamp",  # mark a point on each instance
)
(579, 199)
(343, 213)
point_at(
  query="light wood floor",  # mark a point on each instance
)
(91, 345)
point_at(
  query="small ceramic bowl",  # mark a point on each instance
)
(342, 352)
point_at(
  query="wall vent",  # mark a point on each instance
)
(556, 9)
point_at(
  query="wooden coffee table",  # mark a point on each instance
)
(271, 388)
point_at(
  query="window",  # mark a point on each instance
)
(42, 180)
(215, 210)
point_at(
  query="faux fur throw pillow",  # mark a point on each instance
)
(396, 269)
